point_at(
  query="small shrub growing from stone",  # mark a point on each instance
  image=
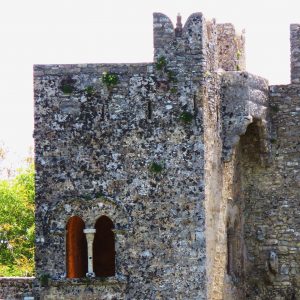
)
(44, 279)
(173, 90)
(171, 76)
(90, 91)
(67, 88)
(186, 117)
(67, 85)
(156, 167)
(161, 63)
(110, 79)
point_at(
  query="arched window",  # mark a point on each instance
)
(76, 248)
(104, 247)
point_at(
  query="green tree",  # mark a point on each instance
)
(17, 224)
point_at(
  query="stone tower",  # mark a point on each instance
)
(177, 179)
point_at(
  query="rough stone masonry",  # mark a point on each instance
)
(194, 162)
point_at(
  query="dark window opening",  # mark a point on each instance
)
(104, 248)
(230, 250)
(252, 143)
(76, 248)
(235, 258)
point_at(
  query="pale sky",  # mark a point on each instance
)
(102, 31)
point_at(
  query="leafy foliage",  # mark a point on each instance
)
(171, 76)
(17, 224)
(67, 89)
(161, 63)
(44, 279)
(90, 91)
(156, 167)
(110, 79)
(67, 85)
(186, 117)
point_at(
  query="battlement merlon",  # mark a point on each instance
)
(164, 33)
(295, 52)
(231, 48)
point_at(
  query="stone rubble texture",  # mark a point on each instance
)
(222, 218)
(12, 288)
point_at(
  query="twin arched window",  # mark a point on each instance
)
(103, 248)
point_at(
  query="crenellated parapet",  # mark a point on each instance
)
(231, 48)
(169, 40)
(295, 53)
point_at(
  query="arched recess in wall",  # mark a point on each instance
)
(253, 143)
(104, 248)
(76, 248)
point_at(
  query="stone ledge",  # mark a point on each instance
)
(16, 279)
(75, 69)
(97, 281)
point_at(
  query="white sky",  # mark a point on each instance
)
(100, 31)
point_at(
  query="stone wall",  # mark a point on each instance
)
(96, 146)
(262, 187)
(195, 162)
(263, 197)
(13, 288)
(87, 289)
(272, 204)
(244, 100)
(212, 155)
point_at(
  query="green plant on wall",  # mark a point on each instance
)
(171, 76)
(67, 88)
(186, 117)
(67, 85)
(173, 90)
(156, 167)
(161, 63)
(44, 279)
(109, 79)
(90, 90)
